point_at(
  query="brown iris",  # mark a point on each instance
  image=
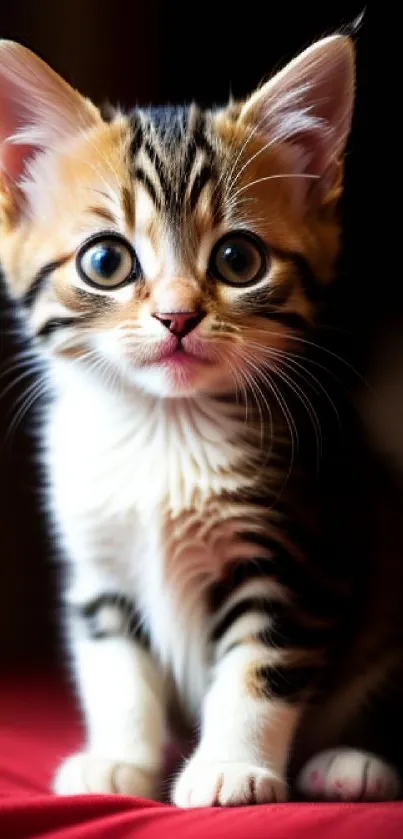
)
(239, 259)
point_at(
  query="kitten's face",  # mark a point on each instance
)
(177, 250)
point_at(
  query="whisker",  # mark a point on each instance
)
(15, 382)
(250, 160)
(307, 342)
(31, 364)
(228, 176)
(35, 392)
(295, 361)
(305, 401)
(250, 364)
(289, 423)
(312, 381)
(273, 178)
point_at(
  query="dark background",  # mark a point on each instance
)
(142, 52)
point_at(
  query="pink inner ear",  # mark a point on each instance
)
(14, 159)
(307, 107)
(313, 157)
(13, 115)
(38, 109)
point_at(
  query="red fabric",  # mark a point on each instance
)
(39, 725)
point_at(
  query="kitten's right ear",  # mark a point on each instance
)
(308, 108)
(38, 111)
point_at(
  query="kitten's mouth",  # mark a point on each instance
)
(177, 355)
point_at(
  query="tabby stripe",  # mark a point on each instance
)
(159, 168)
(312, 593)
(54, 324)
(190, 159)
(259, 539)
(287, 631)
(93, 300)
(250, 604)
(286, 682)
(266, 301)
(269, 306)
(204, 176)
(142, 176)
(200, 137)
(279, 296)
(40, 278)
(91, 614)
(239, 572)
(137, 138)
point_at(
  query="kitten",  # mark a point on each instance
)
(168, 263)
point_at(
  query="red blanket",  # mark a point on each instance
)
(39, 725)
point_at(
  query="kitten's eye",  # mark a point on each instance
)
(107, 262)
(239, 259)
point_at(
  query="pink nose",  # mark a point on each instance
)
(179, 323)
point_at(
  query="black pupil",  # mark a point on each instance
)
(238, 258)
(106, 261)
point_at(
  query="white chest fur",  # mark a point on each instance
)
(134, 481)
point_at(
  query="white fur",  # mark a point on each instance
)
(121, 468)
(132, 475)
(243, 741)
(349, 775)
(135, 732)
(88, 772)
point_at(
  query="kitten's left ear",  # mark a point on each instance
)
(39, 111)
(308, 106)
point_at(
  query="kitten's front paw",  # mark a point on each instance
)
(349, 775)
(226, 784)
(87, 773)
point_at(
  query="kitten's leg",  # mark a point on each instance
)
(249, 718)
(349, 775)
(268, 655)
(122, 693)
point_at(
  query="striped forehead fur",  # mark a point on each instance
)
(182, 150)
